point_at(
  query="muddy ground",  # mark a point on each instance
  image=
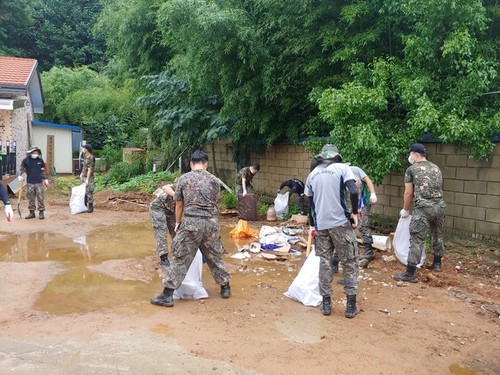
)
(75, 291)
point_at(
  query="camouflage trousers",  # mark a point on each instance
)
(426, 219)
(342, 241)
(364, 220)
(35, 191)
(89, 192)
(162, 220)
(196, 233)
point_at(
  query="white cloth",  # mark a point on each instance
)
(281, 204)
(192, 287)
(77, 200)
(401, 242)
(305, 286)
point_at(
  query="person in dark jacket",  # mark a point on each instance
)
(295, 186)
(36, 181)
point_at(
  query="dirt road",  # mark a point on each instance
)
(75, 291)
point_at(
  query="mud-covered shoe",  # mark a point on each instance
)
(225, 291)
(352, 308)
(369, 252)
(41, 215)
(165, 299)
(31, 215)
(326, 305)
(436, 264)
(409, 275)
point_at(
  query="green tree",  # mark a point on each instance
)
(105, 112)
(63, 35)
(15, 23)
(133, 41)
(443, 84)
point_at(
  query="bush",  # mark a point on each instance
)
(228, 200)
(144, 183)
(262, 208)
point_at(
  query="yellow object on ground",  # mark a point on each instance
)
(242, 230)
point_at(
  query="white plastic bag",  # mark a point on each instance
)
(77, 200)
(305, 286)
(281, 204)
(192, 287)
(401, 242)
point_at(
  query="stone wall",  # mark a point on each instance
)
(471, 187)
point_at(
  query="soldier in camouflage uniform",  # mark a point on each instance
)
(325, 187)
(87, 176)
(196, 197)
(423, 185)
(244, 179)
(162, 213)
(36, 181)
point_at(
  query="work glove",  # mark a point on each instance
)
(373, 198)
(9, 214)
(46, 183)
(404, 213)
(20, 178)
(176, 229)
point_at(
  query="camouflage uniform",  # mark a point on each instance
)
(35, 191)
(248, 176)
(342, 240)
(162, 213)
(428, 209)
(200, 191)
(88, 163)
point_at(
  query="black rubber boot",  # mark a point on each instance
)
(164, 262)
(436, 263)
(225, 291)
(165, 299)
(369, 252)
(335, 266)
(90, 207)
(409, 275)
(41, 216)
(31, 215)
(326, 305)
(352, 308)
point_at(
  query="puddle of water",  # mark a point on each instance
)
(76, 288)
(456, 369)
(79, 288)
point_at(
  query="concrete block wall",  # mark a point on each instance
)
(471, 188)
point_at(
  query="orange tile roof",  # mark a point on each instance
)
(16, 71)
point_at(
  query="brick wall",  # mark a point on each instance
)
(471, 188)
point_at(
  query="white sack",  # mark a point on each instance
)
(192, 287)
(401, 242)
(281, 204)
(77, 200)
(305, 286)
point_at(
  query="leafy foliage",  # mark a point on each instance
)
(105, 112)
(438, 87)
(228, 200)
(145, 183)
(62, 31)
(15, 24)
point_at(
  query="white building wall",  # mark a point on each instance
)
(63, 157)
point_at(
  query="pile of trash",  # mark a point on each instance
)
(275, 243)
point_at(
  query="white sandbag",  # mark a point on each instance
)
(192, 287)
(305, 286)
(401, 242)
(77, 200)
(281, 204)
